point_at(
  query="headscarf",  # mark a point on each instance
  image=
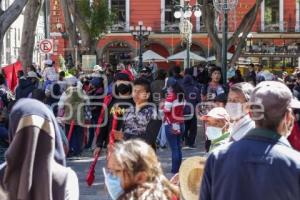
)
(37, 108)
(35, 158)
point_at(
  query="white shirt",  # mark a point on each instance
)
(240, 128)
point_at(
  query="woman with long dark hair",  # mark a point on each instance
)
(174, 121)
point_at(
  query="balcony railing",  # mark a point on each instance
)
(173, 27)
(272, 49)
(122, 27)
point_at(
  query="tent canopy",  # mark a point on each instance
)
(213, 58)
(182, 56)
(151, 55)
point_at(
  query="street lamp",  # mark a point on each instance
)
(140, 33)
(186, 11)
(224, 6)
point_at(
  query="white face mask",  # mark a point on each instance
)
(213, 133)
(235, 110)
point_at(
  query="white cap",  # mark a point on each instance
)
(48, 62)
(98, 68)
(32, 74)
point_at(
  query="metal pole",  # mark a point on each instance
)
(46, 24)
(188, 54)
(141, 53)
(75, 38)
(46, 21)
(76, 56)
(224, 47)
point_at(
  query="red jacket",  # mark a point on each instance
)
(173, 109)
(294, 138)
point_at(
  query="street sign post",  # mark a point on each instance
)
(46, 46)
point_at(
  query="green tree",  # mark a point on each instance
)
(93, 19)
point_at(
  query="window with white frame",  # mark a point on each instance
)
(200, 22)
(171, 23)
(272, 15)
(118, 8)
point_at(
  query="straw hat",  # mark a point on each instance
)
(190, 177)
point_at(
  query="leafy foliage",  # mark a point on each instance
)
(96, 16)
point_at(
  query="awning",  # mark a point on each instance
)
(182, 56)
(151, 55)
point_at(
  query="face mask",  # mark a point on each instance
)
(123, 88)
(235, 110)
(113, 185)
(213, 133)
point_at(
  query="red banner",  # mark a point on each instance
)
(10, 72)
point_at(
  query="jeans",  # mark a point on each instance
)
(175, 145)
(190, 131)
(91, 132)
(76, 141)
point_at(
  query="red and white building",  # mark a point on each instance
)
(275, 39)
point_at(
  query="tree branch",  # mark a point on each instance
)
(244, 28)
(10, 15)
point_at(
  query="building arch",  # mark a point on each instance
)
(161, 49)
(117, 51)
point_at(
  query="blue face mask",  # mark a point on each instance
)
(113, 185)
(213, 133)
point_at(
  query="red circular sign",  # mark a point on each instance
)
(46, 46)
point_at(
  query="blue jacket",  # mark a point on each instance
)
(261, 166)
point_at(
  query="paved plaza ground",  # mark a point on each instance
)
(98, 192)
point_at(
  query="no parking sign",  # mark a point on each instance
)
(46, 46)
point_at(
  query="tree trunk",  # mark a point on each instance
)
(8, 16)
(85, 36)
(244, 28)
(31, 16)
(69, 26)
(209, 16)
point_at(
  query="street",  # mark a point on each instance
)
(97, 191)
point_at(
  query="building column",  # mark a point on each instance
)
(281, 15)
(162, 15)
(262, 16)
(127, 14)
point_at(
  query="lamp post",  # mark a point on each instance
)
(224, 6)
(140, 33)
(186, 11)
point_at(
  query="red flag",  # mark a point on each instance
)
(10, 72)
(91, 173)
(70, 133)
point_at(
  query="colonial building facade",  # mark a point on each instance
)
(275, 37)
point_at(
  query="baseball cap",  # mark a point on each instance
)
(48, 62)
(32, 74)
(98, 68)
(217, 113)
(275, 97)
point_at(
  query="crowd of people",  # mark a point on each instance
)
(251, 127)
